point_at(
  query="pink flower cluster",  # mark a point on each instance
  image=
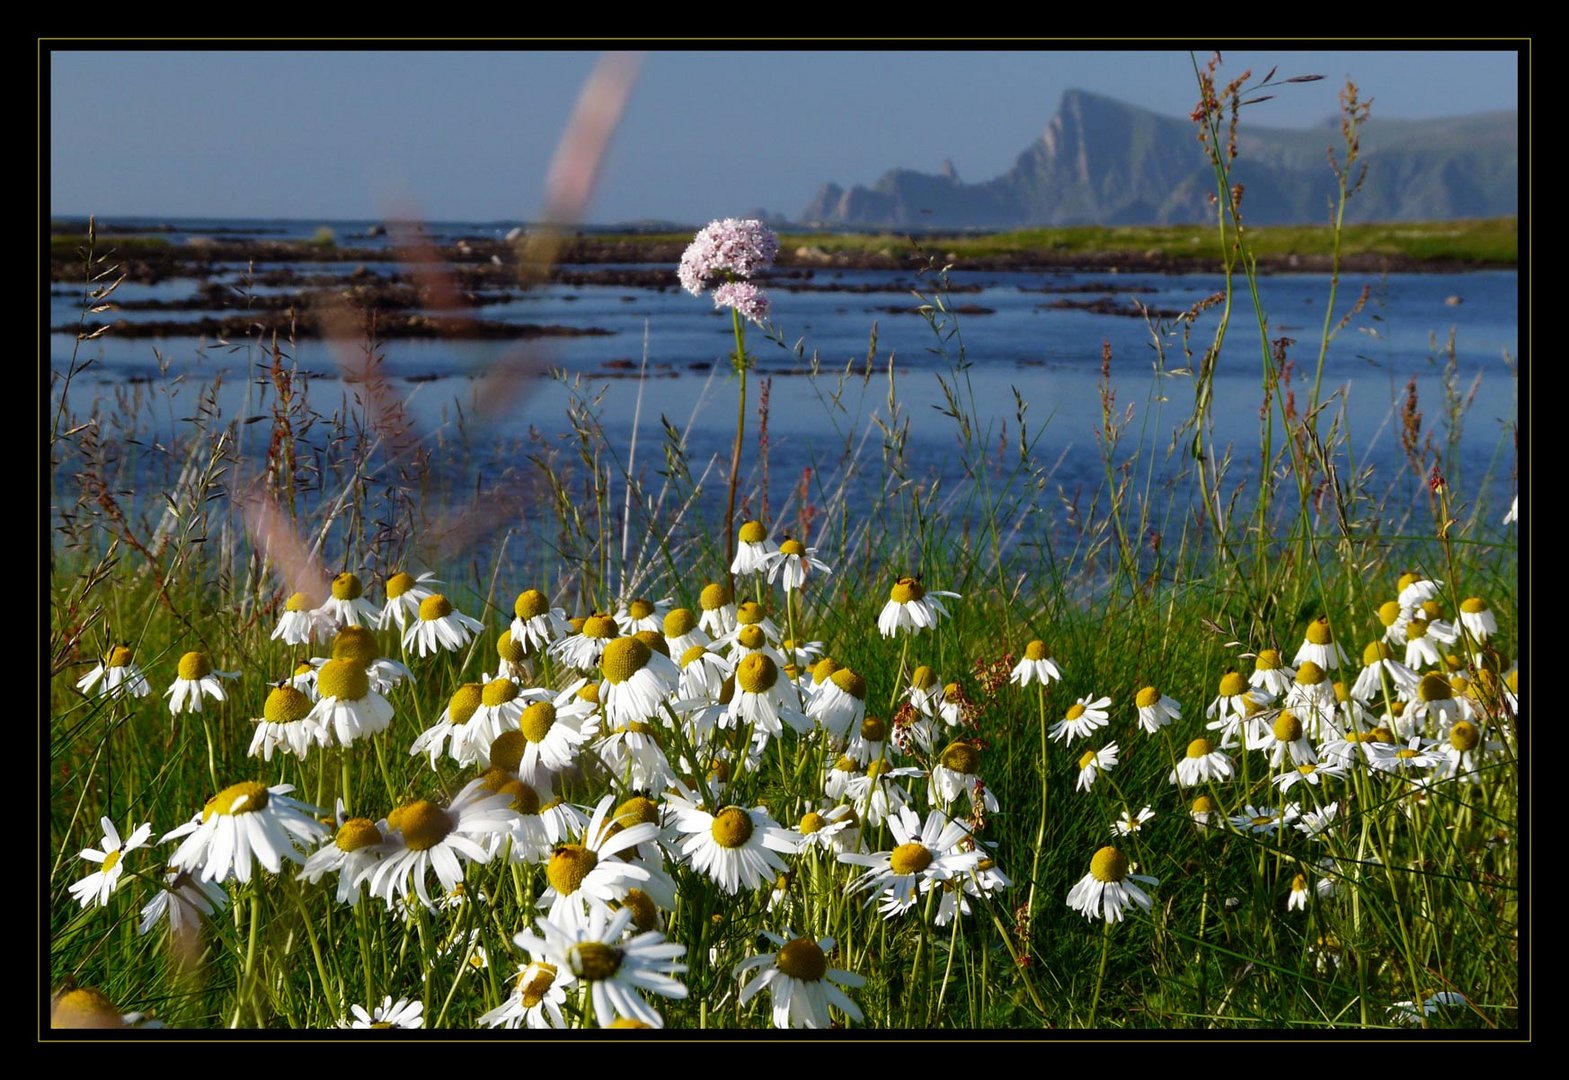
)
(745, 297)
(728, 249)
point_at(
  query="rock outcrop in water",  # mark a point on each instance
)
(1104, 162)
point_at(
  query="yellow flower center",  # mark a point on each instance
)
(1389, 612)
(1087, 759)
(851, 683)
(1307, 769)
(1200, 748)
(638, 810)
(713, 597)
(568, 866)
(111, 859)
(1416, 628)
(645, 913)
(1464, 736)
(358, 833)
(1203, 805)
(1473, 605)
(654, 640)
(1309, 674)
(750, 637)
(824, 670)
(720, 771)
(463, 703)
(84, 1008)
(346, 587)
(593, 960)
(906, 590)
(525, 800)
(1431, 609)
(355, 643)
(589, 693)
(1232, 684)
(756, 674)
(423, 824)
(299, 602)
(600, 626)
(961, 757)
(753, 533)
(398, 584)
(874, 729)
(1037, 650)
(1375, 651)
(732, 827)
(750, 613)
(433, 607)
(624, 658)
(537, 720)
(498, 692)
(193, 666)
(910, 858)
(1382, 734)
(802, 959)
(1269, 659)
(792, 547)
(1406, 753)
(680, 622)
(243, 798)
(627, 1022)
(847, 764)
(875, 769)
(640, 609)
(530, 604)
(811, 822)
(1299, 884)
(1410, 577)
(696, 652)
(119, 656)
(345, 680)
(1264, 819)
(1146, 697)
(1434, 688)
(286, 705)
(509, 650)
(304, 667)
(1288, 729)
(924, 678)
(1075, 711)
(1109, 865)
(1318, 631)
(535, 983)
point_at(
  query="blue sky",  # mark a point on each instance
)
(707, 134)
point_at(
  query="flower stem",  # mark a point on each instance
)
(735, 453)
(1100, 977)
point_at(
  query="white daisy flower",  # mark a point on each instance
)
(1285, 735)
(301, 622)
(924, 692)
(764, 700)
(244, 824)
(348, 708)
(877, 793)
(583, 649)
(1477, 617)
(1434, 706)
(184, 901)
(98, 886)
(1414, 590)
(1232, 711)
(1265, 821)
(1130, 823)
(1082, 718)
(404, 596)
(555, 731)
(1422, 642)
(1319, 646)
(703, 675)
(501, 706)
(587, 877)
(923, 857)
(535, 1001)
(793, 562)
(403, 1013)
(119, 673)
(425, 836)
(1037, 666)
(866, 740)
(752, 549)
(632, 754)
(195, 678)
(1271, 675)
(1095, 762)
(1108, 890)
(736, 848)
(1297, 899)
(985, 879)
(1460, 756)
(681, 632)
(836, 780)
(719, 611)
(956, 773)
(833, 830)
(643, 614)
(358, 645)
(1311, 698)
(1415, 755)
(800, 983)
(1203, 762)
(451, 724)
(348, 605)
(911, 608)
(1377, 662)
(839, 703)
(1202, 810)
(1156, 710)
(535, 623)
(440, 626)
(957, 710)
(752, 615)
(304, 679)
(616, 968)
(1408, 1012)
(637, 680)
(359, 844)
(801, 655)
